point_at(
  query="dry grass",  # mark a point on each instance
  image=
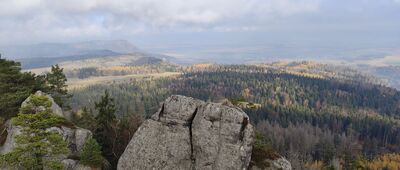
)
(75, 83)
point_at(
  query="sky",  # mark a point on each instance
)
(185, 25)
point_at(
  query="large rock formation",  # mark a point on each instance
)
(75, 137)
(190, 134)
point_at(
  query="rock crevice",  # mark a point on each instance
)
(192, 157)
(187, 133)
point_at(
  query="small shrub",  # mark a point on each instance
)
(262, 151)
(91, 154)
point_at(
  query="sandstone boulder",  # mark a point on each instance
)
(190, 134)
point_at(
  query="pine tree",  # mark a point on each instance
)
(91, 154)
(15, 87)
(106, 109)
(57, 80)
(86, 120)
(36, 148)
(106, 133)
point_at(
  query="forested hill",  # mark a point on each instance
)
(308, 118)
(316, 117)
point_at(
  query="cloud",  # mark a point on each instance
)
(49, 19)
(160, 11)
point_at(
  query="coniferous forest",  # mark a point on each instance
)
(315, 122)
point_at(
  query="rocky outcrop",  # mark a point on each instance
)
(274, 164)
(190, 134)
(54, 106)
(75, 137)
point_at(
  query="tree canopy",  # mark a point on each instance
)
(16, 86)
(56, 81)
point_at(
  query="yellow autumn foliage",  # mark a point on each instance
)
(316, 165)
(387, 161)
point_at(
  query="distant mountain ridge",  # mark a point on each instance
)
(30, 63)
(52, 50)
(46, 54)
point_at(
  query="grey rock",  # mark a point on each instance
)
(75, 137)
(281, 163)
(54, 107)
(277, 164)
(81, 136)
(70, 164)
(222, 139)
(187, 133)
(83, 167)
(12, 132)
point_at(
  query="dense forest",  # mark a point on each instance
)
(313, 121)
(316, 122)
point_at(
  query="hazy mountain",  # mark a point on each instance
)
(47, 54)
(76, 63)
(52, 50)
(30, 63)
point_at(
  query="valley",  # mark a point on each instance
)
(311, 113)
(335, 108)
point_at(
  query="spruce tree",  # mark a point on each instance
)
(57, 80)
(91, 154)
(86, 120)
(106, 133)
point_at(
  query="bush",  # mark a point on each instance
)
(91, 154)
(261, 152)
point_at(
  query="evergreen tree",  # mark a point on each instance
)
(86, 120)
(106, 133)
(106, 108)
(91, 154)
(15, 87)
(56, 80)
(36, 148)
(127, 127)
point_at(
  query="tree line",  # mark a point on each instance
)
(363, 117)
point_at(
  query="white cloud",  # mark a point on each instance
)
(44, 19)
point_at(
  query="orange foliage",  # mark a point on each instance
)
(387, 161)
